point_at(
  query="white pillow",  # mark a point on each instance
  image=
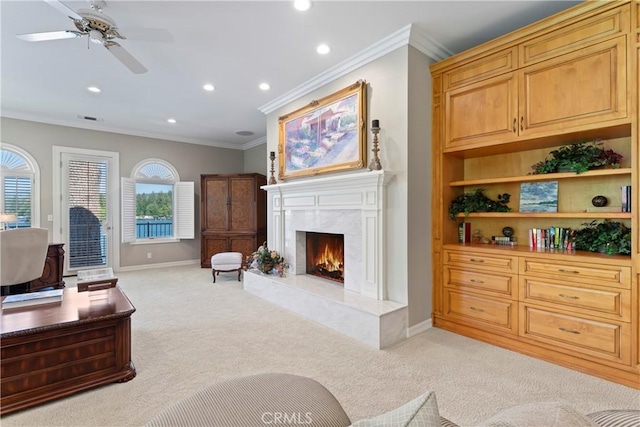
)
(543, 414)
(420, 412)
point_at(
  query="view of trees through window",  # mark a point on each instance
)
(154, 210)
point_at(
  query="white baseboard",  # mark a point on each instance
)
(419, 328)
(159, 265)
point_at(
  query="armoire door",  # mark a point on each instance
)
(242, 214)
(215, 215)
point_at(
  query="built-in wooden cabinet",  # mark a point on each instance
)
(536, 88)
(233, 214)
(497, 110)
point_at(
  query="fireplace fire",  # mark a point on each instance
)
(325, 256)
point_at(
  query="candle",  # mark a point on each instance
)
(375, 123)
(272, 155)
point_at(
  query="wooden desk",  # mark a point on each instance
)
(54, 350)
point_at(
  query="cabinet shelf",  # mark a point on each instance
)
(542, 177)
(530, 215)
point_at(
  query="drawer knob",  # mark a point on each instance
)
(571, 331)
(476, 281)
(569, 296)
(562, 270)
(476, 309)
(476, 260)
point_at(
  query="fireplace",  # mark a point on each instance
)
(325, 255)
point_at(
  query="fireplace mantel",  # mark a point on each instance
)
(352, 204)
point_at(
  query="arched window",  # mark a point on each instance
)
(156, 205)
(19, 192)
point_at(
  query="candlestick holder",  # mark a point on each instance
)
(375, 164)
(272, 180)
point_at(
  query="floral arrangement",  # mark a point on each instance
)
(267, 261)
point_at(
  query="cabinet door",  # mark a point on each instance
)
(575, 91)
(215, 216)
(481, 113)
(212, 245)
(242, 211)
(243, 244)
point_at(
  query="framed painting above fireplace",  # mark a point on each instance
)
(328, 135)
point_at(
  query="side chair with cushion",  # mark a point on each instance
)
(23, 252)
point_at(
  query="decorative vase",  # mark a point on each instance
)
(266, 268)
(599, 201)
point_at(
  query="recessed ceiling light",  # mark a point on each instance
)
(94, 89)
(264, 86)
(172, 121)
(302, 4)
(323, 49)
(209, 87)
(244, 133)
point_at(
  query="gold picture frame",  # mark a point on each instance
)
(328, 135)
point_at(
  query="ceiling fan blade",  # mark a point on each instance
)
(125, 57)
(64, 9)
(51, 35)
(147, 34)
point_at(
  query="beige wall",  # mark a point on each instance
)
(190, 160)
(256, 160)
(397, 83)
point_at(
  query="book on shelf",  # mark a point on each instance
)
(625, 197)
(504, 240)
(464, 232)
(550, 238)
(32, 298)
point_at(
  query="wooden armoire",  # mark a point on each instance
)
(233, 214)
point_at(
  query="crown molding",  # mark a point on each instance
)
(103, 128)
(404, 36)
(255, 143)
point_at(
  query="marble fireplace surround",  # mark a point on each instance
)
(351, 204)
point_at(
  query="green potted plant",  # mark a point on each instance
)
(578, 158)
(478, 202)
(609, 237)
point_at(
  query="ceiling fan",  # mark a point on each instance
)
(100, 29)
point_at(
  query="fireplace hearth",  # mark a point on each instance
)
(325, 255)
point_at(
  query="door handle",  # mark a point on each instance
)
(515, 124)
(521, 123)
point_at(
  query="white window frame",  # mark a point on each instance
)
(183, 205)
(33, 173)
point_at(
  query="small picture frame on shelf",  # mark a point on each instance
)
(539, 196)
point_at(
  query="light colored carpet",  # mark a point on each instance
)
(188, 333)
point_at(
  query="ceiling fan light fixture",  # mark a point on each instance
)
(95, 36)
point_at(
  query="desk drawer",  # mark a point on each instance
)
(587, 299)
(483, 311)
(596, 274)
(608, 340)
(486, 262)
(501, 285)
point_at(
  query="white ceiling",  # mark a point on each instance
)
(235, 45)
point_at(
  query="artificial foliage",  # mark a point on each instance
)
(267, 260)
(578, 158)
(476, 201)
(609, 237)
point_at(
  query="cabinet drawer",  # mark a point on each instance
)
(482, 68)
(603, 340)
(501, 285)
(488, 262)
(607, 275)
(587, 299)
(486, 312)
(576, 36)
